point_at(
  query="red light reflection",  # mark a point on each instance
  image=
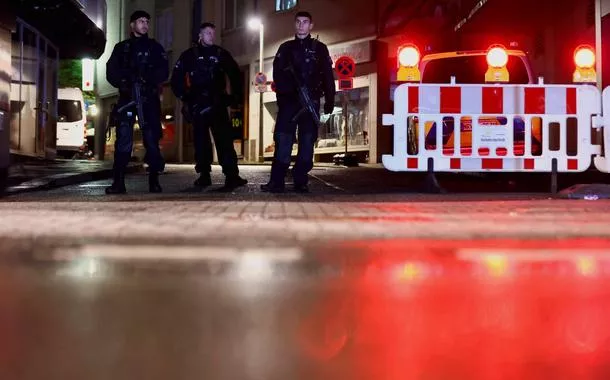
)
(422, 309)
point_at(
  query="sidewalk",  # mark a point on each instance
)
(32, 174)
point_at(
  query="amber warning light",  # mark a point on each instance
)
(497, 59)
(584, 59)
(408, 61)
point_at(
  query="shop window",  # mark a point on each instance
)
(284, 5)
(331, 133)
(234, 14)
(332, 130)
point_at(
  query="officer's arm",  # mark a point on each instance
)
(161, 67)
(178, 78)
(115, 74)
(328, 79)
(232, 70)
(281, 77)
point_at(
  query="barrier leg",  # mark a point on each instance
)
(554, 176)
(431, 184)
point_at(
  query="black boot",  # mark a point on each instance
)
(271, 187)
(233, 182)
(204, 180)
(302, 188)
(118, 183)
(153, 183)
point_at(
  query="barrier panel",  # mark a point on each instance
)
(602, 161)
(500, 128)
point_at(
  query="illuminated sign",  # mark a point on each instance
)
(88, 74)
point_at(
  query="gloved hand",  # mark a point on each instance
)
(329, 107)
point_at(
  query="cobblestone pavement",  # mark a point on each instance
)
(331, 212)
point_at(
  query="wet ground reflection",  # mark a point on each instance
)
(361, 310)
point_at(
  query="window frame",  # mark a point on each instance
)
(234, 23)
(284, 9)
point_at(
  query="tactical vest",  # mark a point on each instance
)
(205, 69)
(139, 66)
(310, 67)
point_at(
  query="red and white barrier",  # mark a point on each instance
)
(602, 162)
(492, 146)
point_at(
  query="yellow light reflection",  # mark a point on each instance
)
(497, 265)
(409, 272)
(586, 265)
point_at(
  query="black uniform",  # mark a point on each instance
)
(313, 65)
(199, 80)
(143, 60)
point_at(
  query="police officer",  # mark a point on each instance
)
(199, 79)
(313, 66)
(139, 62)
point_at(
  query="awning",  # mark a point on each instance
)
(64, 23)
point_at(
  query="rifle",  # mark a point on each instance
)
(137, 101)
(189, 111)
(304, 98)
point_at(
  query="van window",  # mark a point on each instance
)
(470, 70)
(69, 111)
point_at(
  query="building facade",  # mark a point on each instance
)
(171, 25)
(34, 35)
(368, 31)
(347, 31)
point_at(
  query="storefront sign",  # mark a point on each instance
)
(88, 74)
(360, 52)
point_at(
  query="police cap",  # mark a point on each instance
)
(138, 14)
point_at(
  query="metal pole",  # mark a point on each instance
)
(261, 155)
(345, 117)
(180, 123)
(598, 42)
(261, 36)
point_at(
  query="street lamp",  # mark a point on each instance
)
(254, 24)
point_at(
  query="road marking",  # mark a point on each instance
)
(328, 184)
(178, 253)
(532, 255)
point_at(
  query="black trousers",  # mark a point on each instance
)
(217, 121)
(283, 136)
(151, 135)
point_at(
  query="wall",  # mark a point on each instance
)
(359, 22)
(5, 81)
(115, 32)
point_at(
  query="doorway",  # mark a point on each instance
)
(35, 62)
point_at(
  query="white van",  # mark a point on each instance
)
(71, 121)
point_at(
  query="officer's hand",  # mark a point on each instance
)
(329, 107)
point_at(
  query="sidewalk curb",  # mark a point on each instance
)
(65, 179)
